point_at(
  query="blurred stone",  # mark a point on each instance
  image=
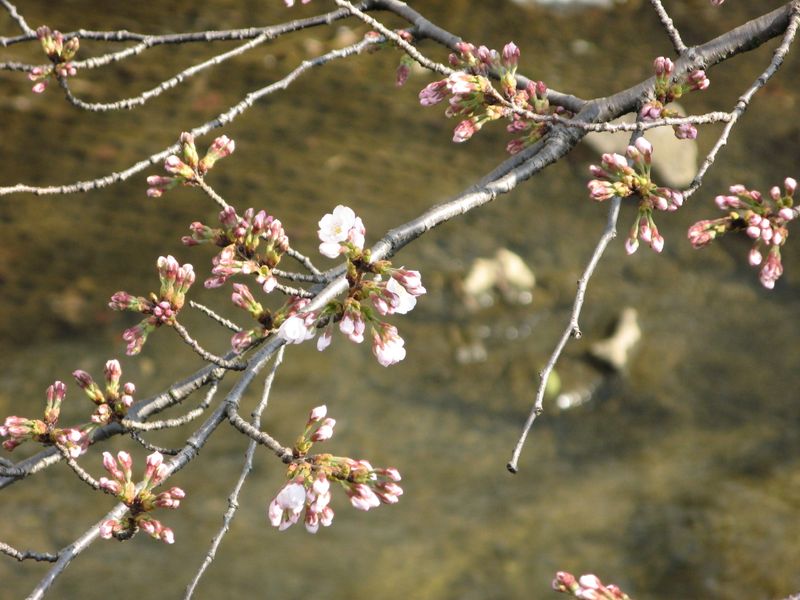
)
(506, 272)
(615, 350)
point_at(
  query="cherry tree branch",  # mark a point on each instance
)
(744, 100)
(151, 41)
(233, 498)
(223, 119)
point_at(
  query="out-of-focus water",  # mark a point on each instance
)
(680, 479)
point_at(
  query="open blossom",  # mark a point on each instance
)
(284, 511)
(338, 229)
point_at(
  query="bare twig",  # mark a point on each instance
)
(177, 421)
(669, 26)
(21, 555)
(410, 49)
(233, 498)
(305, 261)
(234, 365)
(210, 313)
(79, 471)
(572, 329)
(20, 20)
(298, 276)
(137, 437)
(293, 291)
(211, 193)
(165, 85)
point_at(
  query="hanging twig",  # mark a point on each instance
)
(233, 498)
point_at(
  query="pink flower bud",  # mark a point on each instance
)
(317, 414)
(658, 243)
(325, 431)
(790, 185)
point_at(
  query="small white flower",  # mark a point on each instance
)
(294, 330)
(406, 302)
(336, 226)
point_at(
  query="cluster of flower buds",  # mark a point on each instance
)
(19, 429)
(475, 101)
(60, 54)
(386, 289)
(252, 244)
(587, 587)
(160, 309)
(309, 481)
(139, 498)
(764, 220)
(667, 90)
(187, 168)
(290, 3)
(114, 402)
(615, 177)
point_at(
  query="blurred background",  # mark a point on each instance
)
(674, 477)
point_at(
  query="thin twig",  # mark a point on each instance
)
(79, 471)
(572, 329)
(177, 421)
(293, 291)
(410, 49)
(150, 447)
(669, 26)
(210, 313)
(223, 35)
(211, 193)
(234, 365)
(223, 119)
(304, 260)
(303, 277)
(165, 85)
(21, 555)
(20, 20)
(233, 498)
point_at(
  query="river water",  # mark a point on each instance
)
(678, 478)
